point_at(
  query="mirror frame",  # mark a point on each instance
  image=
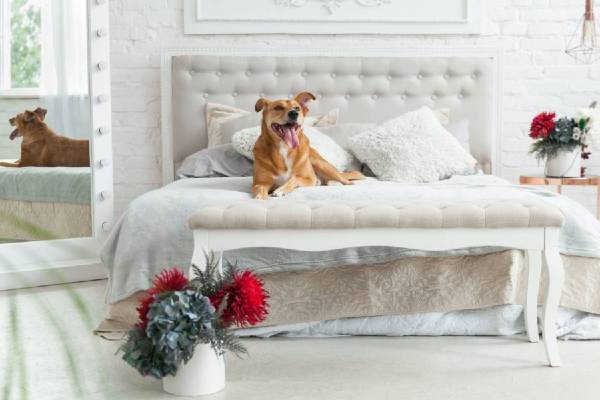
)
(37, 263)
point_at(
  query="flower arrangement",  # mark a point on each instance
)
(552, 135)
(176, 314)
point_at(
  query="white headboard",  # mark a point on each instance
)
(367, 85)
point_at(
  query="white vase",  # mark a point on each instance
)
(565, 164)
(203, 374)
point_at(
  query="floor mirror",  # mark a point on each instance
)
(55, 140)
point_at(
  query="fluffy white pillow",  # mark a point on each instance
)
(414, 147)
(243, 141)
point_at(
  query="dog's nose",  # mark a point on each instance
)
(293, 115)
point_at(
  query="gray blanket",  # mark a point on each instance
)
(152, 234)
(44, 184)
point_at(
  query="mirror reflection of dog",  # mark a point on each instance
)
(283, 158)
(42, 147)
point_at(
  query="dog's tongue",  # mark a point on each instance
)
(291, 136)
(13, 134)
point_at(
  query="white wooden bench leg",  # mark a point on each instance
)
(533, 287)
(555, 276)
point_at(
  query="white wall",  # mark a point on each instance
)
(538, 76)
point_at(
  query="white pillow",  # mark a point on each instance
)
(223, 121)
(244, 140)
(414, 147)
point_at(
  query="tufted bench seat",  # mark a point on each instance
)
(259, 214)
(532, 226)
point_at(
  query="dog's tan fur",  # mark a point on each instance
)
(42, 147)
(279, 168)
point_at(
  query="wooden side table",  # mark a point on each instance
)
(560, 182)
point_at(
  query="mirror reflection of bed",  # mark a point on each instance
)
(45, 126)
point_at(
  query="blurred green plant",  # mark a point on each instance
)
(26, 47)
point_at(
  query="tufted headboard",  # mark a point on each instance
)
(366, 86)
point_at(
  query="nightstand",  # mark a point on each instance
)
(560, 182)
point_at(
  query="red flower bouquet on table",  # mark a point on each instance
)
(563, 142)
(176, 314)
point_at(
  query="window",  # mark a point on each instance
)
(20, 47)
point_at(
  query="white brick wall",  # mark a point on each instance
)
(538, 76)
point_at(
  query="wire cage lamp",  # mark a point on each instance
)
(584, 45)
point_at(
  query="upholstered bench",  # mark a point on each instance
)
(316, 225)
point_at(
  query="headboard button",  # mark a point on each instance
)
(333, 74)
(461, 96)
(433, 97)
(234, 94)
(205, 95)
(219, 73)
(261, 95)
(248, 73)
(374, 96)
(419, 76)
(403, 97)
(347, 96)
(275, 73)
(446, 76)
(304, 74)
(474, 75)
(389, 77)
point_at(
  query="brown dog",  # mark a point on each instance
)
(41, 147)
(283, 158)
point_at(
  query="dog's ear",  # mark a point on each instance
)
(29, 116)
(260, 104)
(41, 112)
(303, 99)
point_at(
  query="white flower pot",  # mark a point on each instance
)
(566, 164)
(203, 374)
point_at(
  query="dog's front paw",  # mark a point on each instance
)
(260, 193)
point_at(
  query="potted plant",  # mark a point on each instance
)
(183, 326)
(563, 142)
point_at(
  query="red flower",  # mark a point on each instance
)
(170, 280)
(542, 125)
(246, 300)
(143, 308)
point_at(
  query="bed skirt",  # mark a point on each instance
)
(34, 220)
(411, 285)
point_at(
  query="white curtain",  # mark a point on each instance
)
(64, 83)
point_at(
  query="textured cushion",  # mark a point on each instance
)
(414, 147)
(277, 214)
(244, 141)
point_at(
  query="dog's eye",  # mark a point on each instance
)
(278, 108)
(297, 108)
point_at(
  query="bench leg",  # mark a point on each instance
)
(531, 302)
(555, 278)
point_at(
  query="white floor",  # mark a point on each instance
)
(47, 351)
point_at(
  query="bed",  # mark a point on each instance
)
(44, 203)
(434, 294)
